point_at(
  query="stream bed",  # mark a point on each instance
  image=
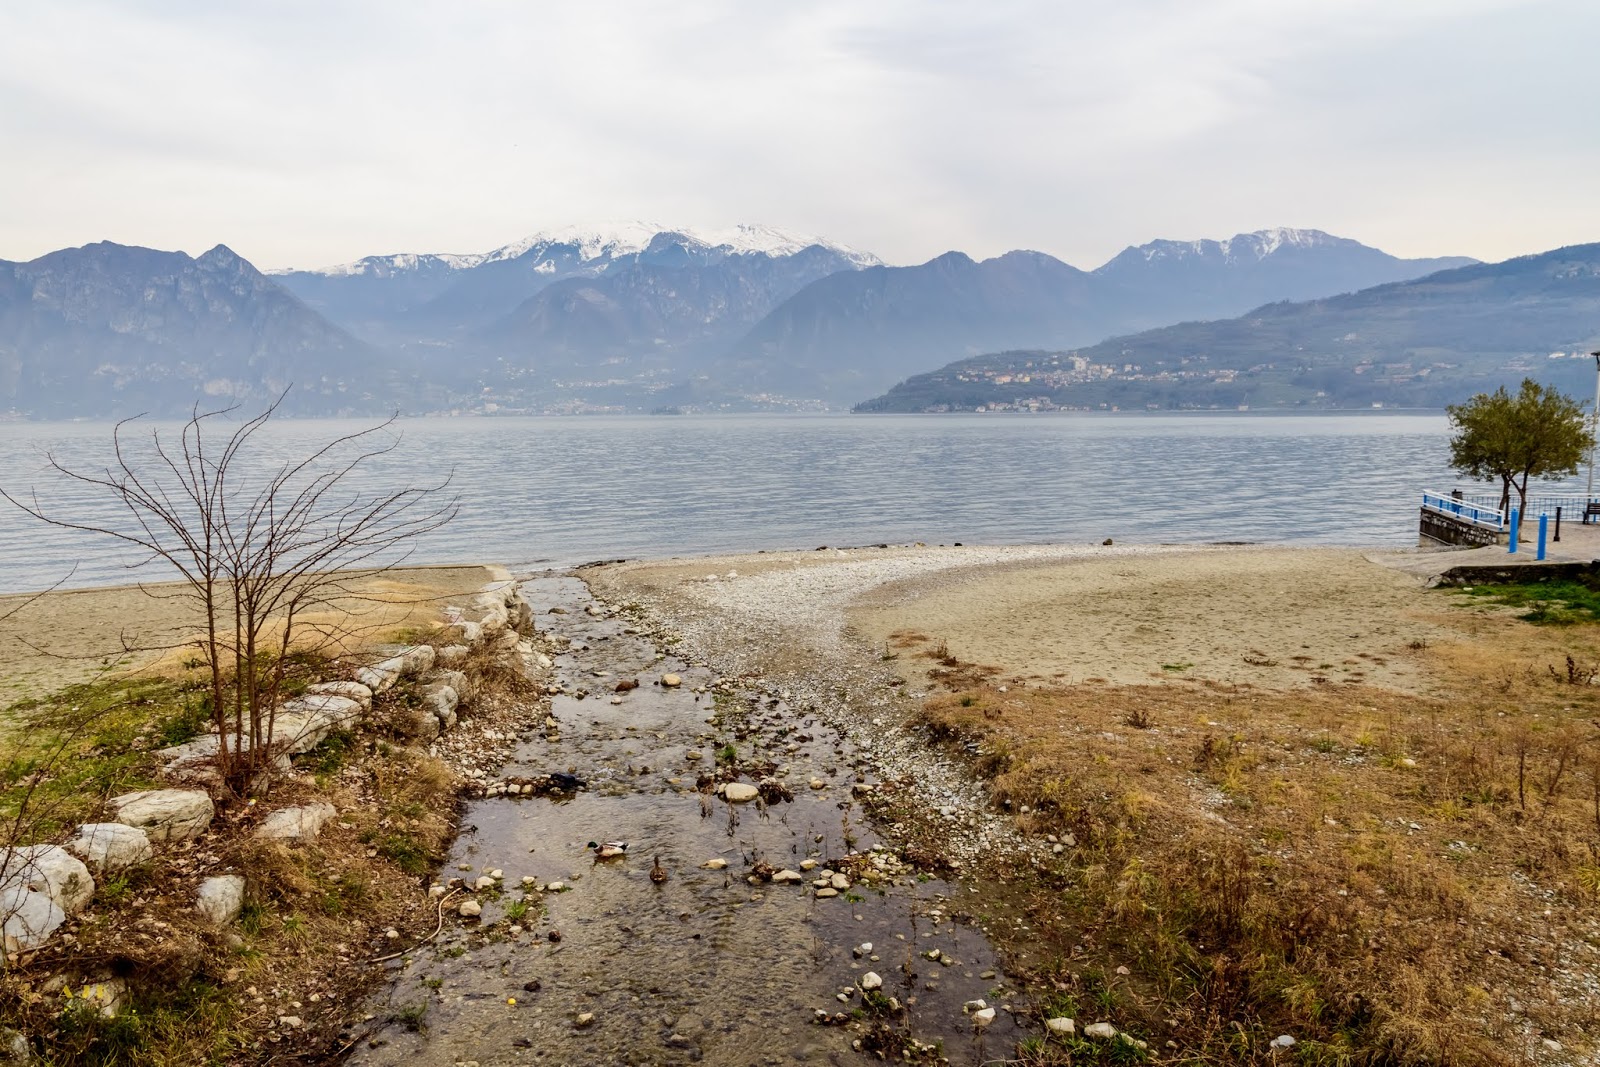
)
(577, 960)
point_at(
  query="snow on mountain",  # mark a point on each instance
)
(604, 241)
(1245, 246)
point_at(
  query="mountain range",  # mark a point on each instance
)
(1420, 343)
(631, 317)
(107, 329)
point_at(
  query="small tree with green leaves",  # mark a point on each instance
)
(1537, 432)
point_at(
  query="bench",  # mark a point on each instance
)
(1591, 510)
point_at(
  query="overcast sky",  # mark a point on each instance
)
(311, 132)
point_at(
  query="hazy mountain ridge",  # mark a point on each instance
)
(423, 298)
(113, 329)
(859, 333)
(633, 318)
(1422, 343)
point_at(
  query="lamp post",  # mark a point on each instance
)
(1594, 430)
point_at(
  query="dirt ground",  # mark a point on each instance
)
(69, 636)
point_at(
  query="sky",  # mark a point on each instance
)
(311, 132)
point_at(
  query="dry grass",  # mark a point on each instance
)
(1388, 878)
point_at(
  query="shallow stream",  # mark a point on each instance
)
(705, 967)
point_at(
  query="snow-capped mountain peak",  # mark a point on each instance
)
(1243, 247)
(601, 242)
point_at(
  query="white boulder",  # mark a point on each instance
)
(450, 655)
(349, 690)
(51, 870)
(1100, 1031)
(166, 814)
(27, 919)
(111, 847)
(1061, 1025)
(296, 824)
(220, 898)
(740, 792)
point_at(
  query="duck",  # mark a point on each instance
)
(607, 850)
(658, 873)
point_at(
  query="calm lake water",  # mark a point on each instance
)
(551, 491)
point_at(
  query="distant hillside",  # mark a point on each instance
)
(1420, 343)
(109, 329)
(854, 334)
(655, 311)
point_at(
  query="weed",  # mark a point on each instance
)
(412, 1016)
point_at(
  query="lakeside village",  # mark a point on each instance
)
(1058, 370)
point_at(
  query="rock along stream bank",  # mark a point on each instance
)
(784, 931)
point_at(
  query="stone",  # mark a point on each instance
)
(1061, 1025)
(716, 864)
(303, 723)
(871, 980)
(29, 918)
(1283, 1041)
(349, 690)
(840, 882)
(484, 882)
(818, 783)
(469, 909)
(220, 898)
(291, 1022)
(1100, 1031)
(824, 894)
(974, 1005)
(585, 1018)
(740, 792)
(457, 680)
(982, 1017)
(380, 677)
(808, 865)
(671, 681)
(300, 823)
(788, 877)
(416, 661)
(14, 1048)
(417, 723)
(107, 995)
(450, 655)
(441, 699)
(166, 814)
(51, 870)
(111, 847)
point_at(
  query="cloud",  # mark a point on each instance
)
(303, 133)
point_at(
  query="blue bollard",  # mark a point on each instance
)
(1514, 518)
(1544, 528)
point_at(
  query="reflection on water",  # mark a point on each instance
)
(565, 491)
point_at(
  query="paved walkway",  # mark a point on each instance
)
(1578, 544)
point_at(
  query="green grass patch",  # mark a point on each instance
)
(73, 749)
(1563, 602)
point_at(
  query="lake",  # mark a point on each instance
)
(538, 492)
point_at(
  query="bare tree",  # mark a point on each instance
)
(256, 545)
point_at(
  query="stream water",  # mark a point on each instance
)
(706, 967)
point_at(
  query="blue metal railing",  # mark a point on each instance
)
(1477, 514)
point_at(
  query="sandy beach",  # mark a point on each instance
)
(67, 636)
(1064, 614)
